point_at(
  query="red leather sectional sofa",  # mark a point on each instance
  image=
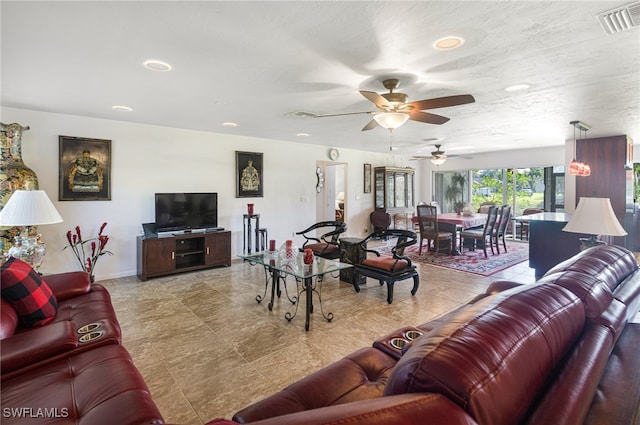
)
(50, 376)
(560, 351)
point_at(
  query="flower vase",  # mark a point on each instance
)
(14, 175)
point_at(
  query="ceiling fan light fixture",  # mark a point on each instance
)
(391, 120)
(438, 160)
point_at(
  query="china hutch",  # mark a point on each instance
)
(394, 191)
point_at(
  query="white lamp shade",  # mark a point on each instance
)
(391, 120)
(29, 208)
(595, 216)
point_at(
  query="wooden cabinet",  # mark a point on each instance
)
(394, 189)
(176, 254)
(611, 162)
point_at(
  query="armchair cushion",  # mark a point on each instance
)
(389, 264)
(322, 248)
(27, 293)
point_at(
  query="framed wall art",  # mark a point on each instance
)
(84, 172)
(249, 175)
(367, 178)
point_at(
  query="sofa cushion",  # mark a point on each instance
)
(496, 363)
(98, 387)
(594, 292)
(389, 264)
(610, 263)
(361, 375)
(27, 293)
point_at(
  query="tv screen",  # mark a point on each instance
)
(186, 211)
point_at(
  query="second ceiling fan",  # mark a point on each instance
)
(394, 110)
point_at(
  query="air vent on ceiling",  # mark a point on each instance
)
(620, 19)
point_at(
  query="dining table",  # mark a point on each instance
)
(452, 222)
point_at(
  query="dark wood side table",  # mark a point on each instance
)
(248, 234)
(351, 253)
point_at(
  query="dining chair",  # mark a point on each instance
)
(501, 227)
(428, 227)
(484, 208)
(389, 269)
(327, 245)
(524, 226)
(481, 237)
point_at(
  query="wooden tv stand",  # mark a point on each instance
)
(161, 256)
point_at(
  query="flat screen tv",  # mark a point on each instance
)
(186, 211)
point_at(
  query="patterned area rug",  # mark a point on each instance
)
(469, 261)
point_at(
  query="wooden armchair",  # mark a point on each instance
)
(327, 245)
(387, 269)
(428, 225)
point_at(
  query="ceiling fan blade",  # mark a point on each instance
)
(427, 117)
(370, 125)
(377, 100)
(442, 102)
(346, 113)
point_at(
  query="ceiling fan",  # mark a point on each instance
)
(438, 157)
(394, 110)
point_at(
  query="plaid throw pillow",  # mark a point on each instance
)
(27, 293)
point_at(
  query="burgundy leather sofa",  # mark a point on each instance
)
(560, 351)
(49, 375)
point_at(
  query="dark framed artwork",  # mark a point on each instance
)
(249, 175)
(367, 178)
(84, 172)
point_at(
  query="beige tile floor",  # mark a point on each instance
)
(206, 348)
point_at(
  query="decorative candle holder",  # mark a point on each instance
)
(250, 209)
(288, 251)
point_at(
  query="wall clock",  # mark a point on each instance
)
(334, 154)
(319, 179)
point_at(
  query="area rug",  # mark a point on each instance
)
(469, 261)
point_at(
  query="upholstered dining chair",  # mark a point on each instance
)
(327, 245)
(501, 227)
(524, 226)
(380, 221)
(428, 226)
(481, 237)
(389, 269)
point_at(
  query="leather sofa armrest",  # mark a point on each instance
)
(401, 409)
(37, 344)
(69, 284)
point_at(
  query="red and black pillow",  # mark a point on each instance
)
(27, 293)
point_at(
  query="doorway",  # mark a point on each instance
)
(333, 199)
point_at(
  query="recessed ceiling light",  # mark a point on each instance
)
(155, 65)
(448, 43)
(517, 87)
(302, 134)
(121, 108)
(229, 124)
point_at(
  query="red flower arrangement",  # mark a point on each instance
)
(77, 244)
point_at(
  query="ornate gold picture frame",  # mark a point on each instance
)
(84, 172)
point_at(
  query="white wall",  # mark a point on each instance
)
(148, 159)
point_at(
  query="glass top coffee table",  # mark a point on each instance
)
(310, 275)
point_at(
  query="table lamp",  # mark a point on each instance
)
(594, 216)
(27, 208)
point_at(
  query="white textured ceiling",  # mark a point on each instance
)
(254, 63)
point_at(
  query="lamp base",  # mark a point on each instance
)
(586, 243)
(29, 249)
